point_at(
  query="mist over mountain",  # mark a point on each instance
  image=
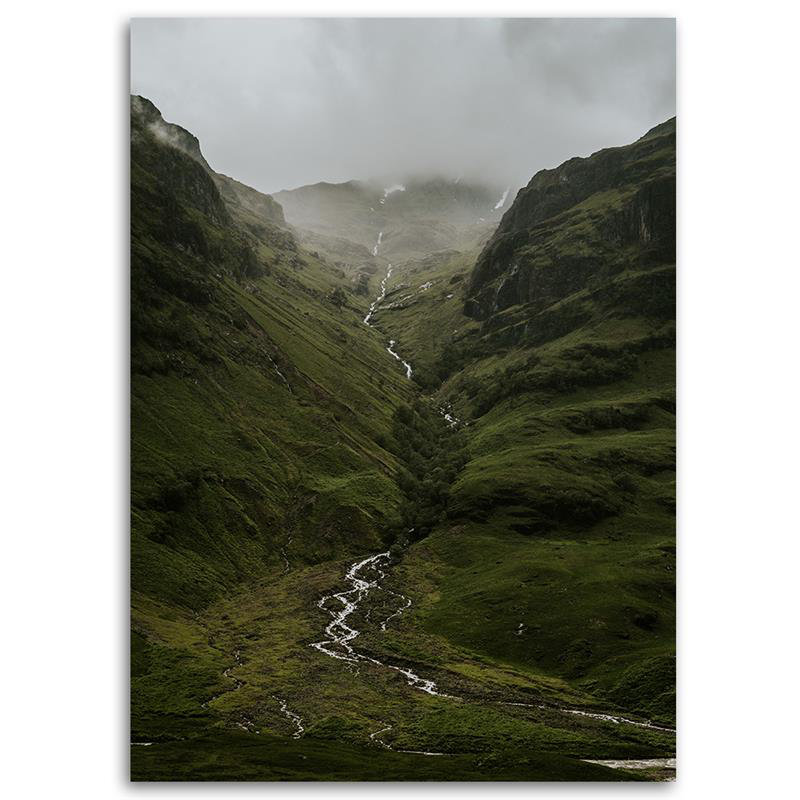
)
(282, 103)
(412, 218)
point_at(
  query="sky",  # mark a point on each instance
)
(279, 103)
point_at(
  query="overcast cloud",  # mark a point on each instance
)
(277, 103)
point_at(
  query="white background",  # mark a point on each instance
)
(63, 333)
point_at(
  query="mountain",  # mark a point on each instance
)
(340, 565)
(413, 219)
(580, 225)
(555, 345)
(252, 206)
(253, 431)
(221, 351)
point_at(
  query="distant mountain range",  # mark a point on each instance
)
(416, 217)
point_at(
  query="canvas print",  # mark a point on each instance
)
(402, 308)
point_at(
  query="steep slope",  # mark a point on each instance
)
(221, 348)
(557, 355)
(579, 225)
(256, 399)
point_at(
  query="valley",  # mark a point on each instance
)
(403, 472)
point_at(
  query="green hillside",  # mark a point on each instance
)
(557, 351)
(528, 594)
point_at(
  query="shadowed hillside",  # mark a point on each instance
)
(245, 415)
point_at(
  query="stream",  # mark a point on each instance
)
(340, 634)
(616, 720)
(376, 303)
(365, 576)
(295, 719)
(404, 363)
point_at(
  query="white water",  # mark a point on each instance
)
(399, 611)
(295, 719)
(374, 737)
(374, 307)
(502, 201)
(379, 299)
(398, 187)
(635, 763)
(404, 363)
(340, 634)
(377, 244)
(280, 374)
(449, 418)
(616, 720)
(226, 673)
(285, 554)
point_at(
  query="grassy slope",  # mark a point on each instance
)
(241, 757)
(250, 396)
(563, 518)
(233, 464)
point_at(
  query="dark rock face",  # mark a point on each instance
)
(147, 125)
(576, 226)
(145, 116)
(172, 156)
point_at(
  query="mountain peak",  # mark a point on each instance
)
(145, 114)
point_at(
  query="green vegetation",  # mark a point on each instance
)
(274, 442)
(431, 453)
(242, 411)
(241, 757)
(562, 518)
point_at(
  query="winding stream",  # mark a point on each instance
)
(378, 300)
(295, 719)
(340, 634)
(374, 738)
(404, 363)
(366, 575)
(616, 720)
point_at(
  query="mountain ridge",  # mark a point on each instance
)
(415, 218)
(640, 178)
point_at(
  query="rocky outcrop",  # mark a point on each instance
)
(580, 224)
(145, 116)
(171, 157)
(261, 206)
(255, 207)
